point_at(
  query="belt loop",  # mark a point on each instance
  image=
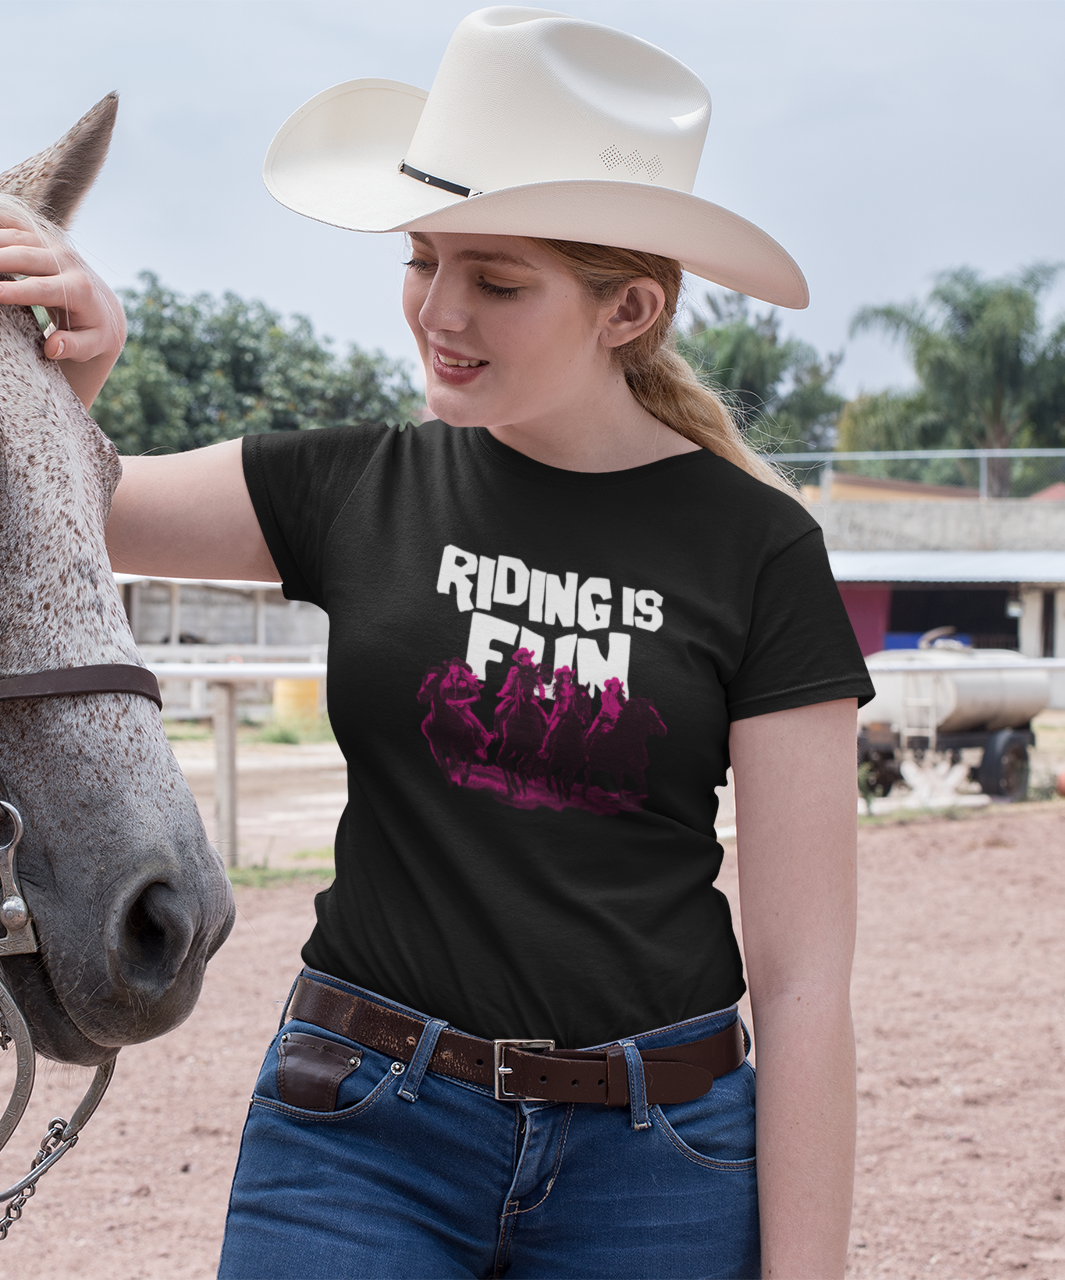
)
(288, 1000)
(412, 1079)
(637, 1087)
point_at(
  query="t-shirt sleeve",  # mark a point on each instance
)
(299, 481)
(801, 647)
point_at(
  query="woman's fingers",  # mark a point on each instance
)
(80, 345)
(90, 326)
(87, 315)
(17, 235)
(31, 260)
(71, 292)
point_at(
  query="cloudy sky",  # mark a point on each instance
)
(880, 141)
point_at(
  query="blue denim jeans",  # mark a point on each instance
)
(456, 1183)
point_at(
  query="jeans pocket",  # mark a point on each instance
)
(315, 1076)
(716, 1130)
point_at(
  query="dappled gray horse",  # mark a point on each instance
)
(129, 898)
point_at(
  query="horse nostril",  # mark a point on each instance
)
(156, 934)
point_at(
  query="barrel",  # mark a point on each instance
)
(296, 701)
(960, 701)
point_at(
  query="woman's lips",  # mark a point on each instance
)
(453, 374)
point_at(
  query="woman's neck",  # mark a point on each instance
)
(614, 433)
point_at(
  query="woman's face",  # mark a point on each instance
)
(506, 333)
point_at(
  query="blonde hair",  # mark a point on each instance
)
(661, 379)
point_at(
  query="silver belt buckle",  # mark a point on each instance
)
(500, 1070)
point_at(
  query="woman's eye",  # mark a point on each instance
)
(419, 264)
(498, 290)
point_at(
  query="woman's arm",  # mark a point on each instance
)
(796, 816)
(90, 323)
(188, 515)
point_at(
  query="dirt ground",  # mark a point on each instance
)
(958, 995)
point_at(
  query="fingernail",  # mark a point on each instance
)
(59, 351)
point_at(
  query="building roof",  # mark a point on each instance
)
(1053, 493)
(948, 566)
(847, 487)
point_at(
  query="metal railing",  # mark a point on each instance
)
(823, 464)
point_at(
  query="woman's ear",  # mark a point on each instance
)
(635, 309)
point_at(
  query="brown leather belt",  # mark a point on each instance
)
(523, 1070)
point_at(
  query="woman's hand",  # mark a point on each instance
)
(90, 324)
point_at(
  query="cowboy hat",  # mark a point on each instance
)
(539, 125)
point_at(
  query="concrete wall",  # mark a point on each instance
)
(1000, 524)
(217, 616)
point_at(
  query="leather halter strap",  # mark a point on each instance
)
(112, 677)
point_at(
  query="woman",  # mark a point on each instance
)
(428, 1109)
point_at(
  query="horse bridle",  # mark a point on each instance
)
(21, 936)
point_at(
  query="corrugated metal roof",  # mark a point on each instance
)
(948, 566)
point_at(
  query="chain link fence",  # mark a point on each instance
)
(972, 473)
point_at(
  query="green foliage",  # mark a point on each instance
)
(199, 370)
(864, 785)
(279, 731)
(894, 420)
(781, 389)
(261, 877)
(292, 732)
(988, 375)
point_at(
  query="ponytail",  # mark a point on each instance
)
(661, 379)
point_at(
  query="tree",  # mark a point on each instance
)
(894, 420)
(780, 389)
(198, 370)
(988, 375)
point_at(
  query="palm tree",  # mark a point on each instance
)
(984, 366)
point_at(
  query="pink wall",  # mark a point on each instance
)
(868, 606)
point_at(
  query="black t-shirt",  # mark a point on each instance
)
(532, 674)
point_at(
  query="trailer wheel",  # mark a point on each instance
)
(1003, 771)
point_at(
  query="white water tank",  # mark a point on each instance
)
(958, 701)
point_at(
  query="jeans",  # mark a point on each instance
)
(456, 1183)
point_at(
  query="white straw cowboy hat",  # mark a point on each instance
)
(537, 124)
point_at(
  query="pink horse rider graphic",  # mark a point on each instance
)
(520, 722)
(574, 756)
(456, 736)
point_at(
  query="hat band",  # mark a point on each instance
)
(442, 183)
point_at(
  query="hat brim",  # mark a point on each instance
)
(337, 159)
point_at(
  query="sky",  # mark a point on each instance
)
(880, 141)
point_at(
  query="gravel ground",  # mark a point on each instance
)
(960, 1015)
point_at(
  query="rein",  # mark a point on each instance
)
(21, 937)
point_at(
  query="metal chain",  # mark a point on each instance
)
(49, 1144)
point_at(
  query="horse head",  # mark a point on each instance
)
(129, 898)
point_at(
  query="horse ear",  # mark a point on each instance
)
(54, 182)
